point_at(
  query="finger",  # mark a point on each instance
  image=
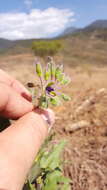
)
(47, 114)
(24, 136)
(12, 105)
(16, 85)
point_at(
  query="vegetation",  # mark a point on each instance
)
(45, 48)
(47, 171)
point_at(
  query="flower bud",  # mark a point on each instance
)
(47, 73)
(58, 72)
(38, 69)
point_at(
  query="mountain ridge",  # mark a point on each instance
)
(99, 27)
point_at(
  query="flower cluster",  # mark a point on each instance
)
(52, 78)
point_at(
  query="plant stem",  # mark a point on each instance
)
(41, 84)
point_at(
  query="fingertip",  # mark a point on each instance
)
(47, 114)
(16, 85)
(12, 104)
(51, 115)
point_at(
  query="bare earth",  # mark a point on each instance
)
(83, 121)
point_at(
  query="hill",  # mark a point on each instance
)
(69, 30)
(88, 45)
(98, 24)
(5, 43)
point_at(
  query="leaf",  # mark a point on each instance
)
(55, 101)
(65, 80)
(43, 102)
(28, 186)
(55, 180)
(60, 78)
(34, 172)
(65, 97)
(52, 159)
(31, 187)
(52, 180)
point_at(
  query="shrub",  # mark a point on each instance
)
(46, 48)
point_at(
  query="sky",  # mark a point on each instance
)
(26, 19)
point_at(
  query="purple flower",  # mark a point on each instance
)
(49, 89)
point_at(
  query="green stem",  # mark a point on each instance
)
(41, 84)
(51, 71)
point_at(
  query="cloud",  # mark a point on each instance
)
(28, 3)
(36, 24)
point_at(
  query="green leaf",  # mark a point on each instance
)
(43, 102)
(28, 186)
(52, 180)
(66, 187)
(34, 172)
(60, 78)
(65, 80)
(55, 180)
(65, 97)
(51, 160)
(31, 187)
(55, 101)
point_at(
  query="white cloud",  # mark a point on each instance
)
(36, 24)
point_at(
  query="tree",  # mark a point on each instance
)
(46, 48)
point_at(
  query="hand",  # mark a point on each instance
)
(15, 100)
(20, 142)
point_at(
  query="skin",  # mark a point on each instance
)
(20, 142)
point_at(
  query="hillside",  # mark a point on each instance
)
(70, 30)
(88, 45)
(5, 43)
(99, 26)
(96, 25)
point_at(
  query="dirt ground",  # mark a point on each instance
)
(82, 121)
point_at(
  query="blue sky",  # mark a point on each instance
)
(82, 13)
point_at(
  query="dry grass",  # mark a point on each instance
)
(85, 50)
(87, 147)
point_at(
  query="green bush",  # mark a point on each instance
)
(46, 48)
